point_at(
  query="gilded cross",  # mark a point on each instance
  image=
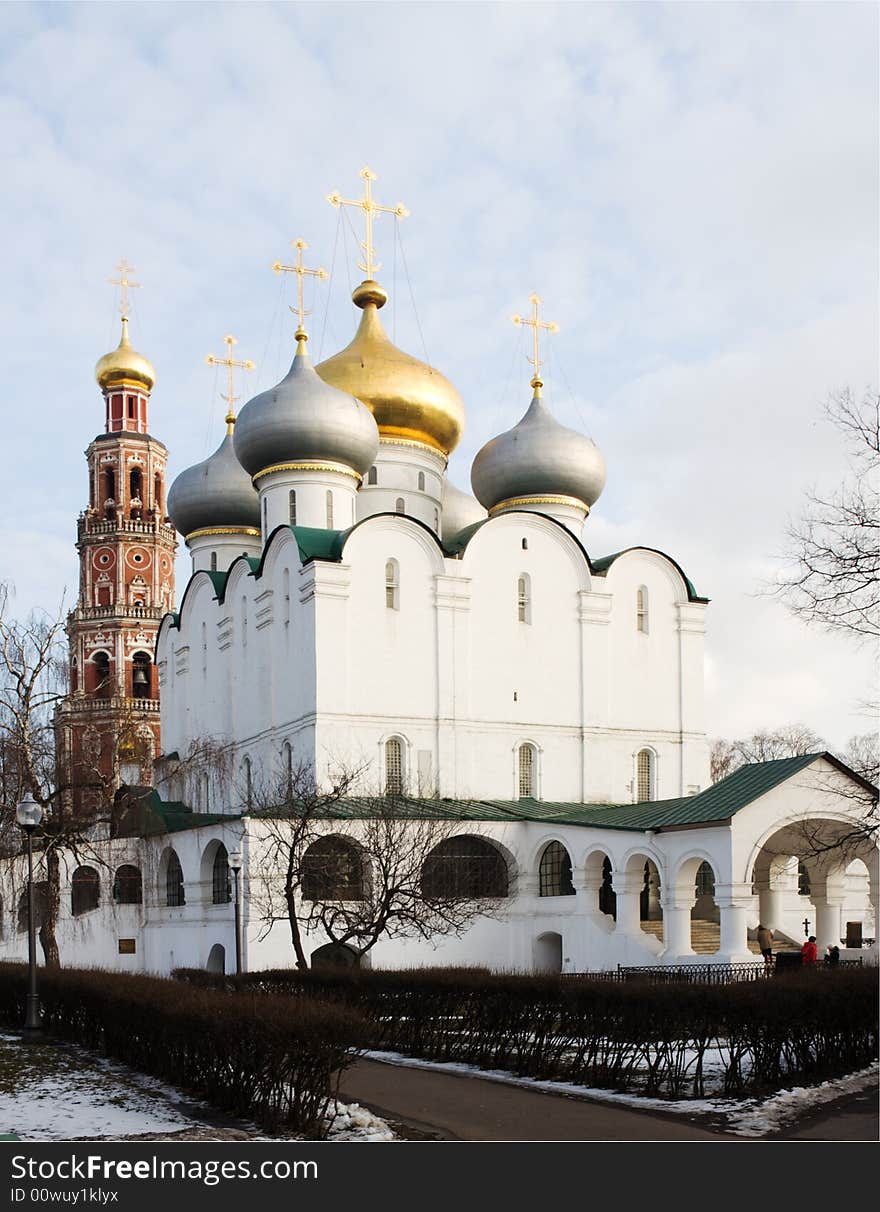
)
(536, 324)
(369, 265)
(126, 284)
(301, 272)
(229, 362)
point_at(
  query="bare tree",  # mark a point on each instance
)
(357, 869)
(832, 573)
(765, 745)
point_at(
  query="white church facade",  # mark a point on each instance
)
(349, 608)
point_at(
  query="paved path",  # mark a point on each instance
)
(448, 1106)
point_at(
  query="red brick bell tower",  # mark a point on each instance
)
(108, 727)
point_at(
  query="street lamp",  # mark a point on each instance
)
(235, 865)
(28, 814)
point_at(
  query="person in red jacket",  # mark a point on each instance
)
(809, 951)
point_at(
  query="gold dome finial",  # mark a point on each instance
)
(229, 362)
(301, 336)
(369, 265)
(124, 366)
(535, 324)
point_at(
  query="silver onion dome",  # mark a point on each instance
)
(303, 419)
(217, 492)
(538, 457)
(460, 509)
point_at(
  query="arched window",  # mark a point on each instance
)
(464, 868)
(127, 886)
(554, 871)
(141, 679)
(175, 895)
(393, 766)
(437, 520)
(85, 890)
(524, 598)
(213, 561)
(333, 870)
(291, 506)
(41, 905)
(135, 487)
(804, 887)
(526, 772)
(285, 595)
(157, 494)
(642, 610)
(392, 584)
(248, 779)
(287, 767)
(221, 881)
(329, 509)
(421, 481)
(400, 505)
(373, 475)
(103, 686)
(705, 881)
(645, 776)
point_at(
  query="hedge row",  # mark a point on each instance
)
(654, 1039)
(275, 1060)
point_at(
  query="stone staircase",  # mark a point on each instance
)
(706, 936)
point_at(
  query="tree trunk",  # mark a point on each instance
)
(48, 939)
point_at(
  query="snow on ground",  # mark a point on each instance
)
(744, 1117)
(52, 1092)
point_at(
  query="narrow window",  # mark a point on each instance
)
(248, 781)
(642, 610)
(213, 561)
(526, 772)
(204, 648)
(524, 598)
(174, 889)
(291, 505)
(644, 775)
(393, 767)
(392, 585)
(329, 509)
(131, 412)
(265, 518)
(525, 544)
(373, 475)
(141, 681)
(287, 763)
(85, 891)
(221, 881)
(244, 622)
(157, 494)
(400, 505)
(285, 593)
(421, 481)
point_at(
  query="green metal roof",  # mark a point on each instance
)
(317, 544)
(603, 563)
(717, 803)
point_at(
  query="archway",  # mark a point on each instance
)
(705, 914)
(547, 952)
(217, 960)
(334, 955)
(650, 909)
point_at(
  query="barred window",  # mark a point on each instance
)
(642, 610)
(705, 881)
(174, 890)
(333, 870)
(128, 886)
(329, 509)
(526, 761)
(393, 766)
(221, 881)
(85, 890)
(524, 598)
(644, 775)
(554, 871)
(392, 585)
(465, 868)
(291, 506)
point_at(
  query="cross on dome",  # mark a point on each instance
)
(536, 324)
(229, 362)
(301, 272)
(370, 265)
(126, 284)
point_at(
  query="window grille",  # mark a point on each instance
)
(127, 886)
(554, 871)
(84, 890)
(174, 890)
(526, 772)
(642, 610)
(221, 882)
(332, 870)
(392, 585)
(393, 767)
(464, 867)
(523, 599)
(644, 776)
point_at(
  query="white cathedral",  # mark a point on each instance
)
(350, 608)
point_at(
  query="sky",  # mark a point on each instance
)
(692, 189)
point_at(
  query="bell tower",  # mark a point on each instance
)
(108, 726)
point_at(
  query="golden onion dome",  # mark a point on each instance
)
(409, 399)
(125, 365)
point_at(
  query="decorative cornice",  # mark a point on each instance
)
(211, 530)
(389, 439)
(317, 465)
(550, 499)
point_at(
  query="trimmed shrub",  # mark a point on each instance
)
(621, 1035)
(274, 1060)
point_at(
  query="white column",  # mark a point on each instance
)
(734, 902)
(676, 930)
(827, 929)
(628, 890)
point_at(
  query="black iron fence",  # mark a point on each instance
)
(708, 974)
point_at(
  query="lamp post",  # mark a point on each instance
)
(235, 865)
(28, 814)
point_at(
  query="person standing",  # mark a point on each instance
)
(765, 942)
(809, 951)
